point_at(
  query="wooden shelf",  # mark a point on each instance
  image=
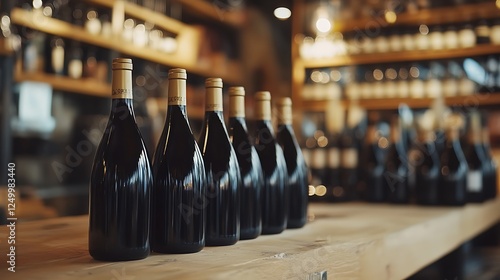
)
(443, 15)
(401, 56)
(213, 11)
(349, 241)
(145, 14)
(81, 86)
(393, 103)
(64, 29)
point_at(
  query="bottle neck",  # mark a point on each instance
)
(285, 115)
(237, 106)
(372, 134)
(177, 92)
(485, 137)
(475, 132)
(213, 101)
(121, 88)
(395, 135)
(427, 136)
(263, 110)
(452, 135)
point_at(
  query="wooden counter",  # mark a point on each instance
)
(349, 241)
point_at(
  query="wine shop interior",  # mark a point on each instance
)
(249, 139)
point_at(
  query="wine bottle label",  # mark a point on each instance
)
(349, 158)
(333, 158)
(474, 181)
(58, 59)
(450, 87)
(285, 110)
(237, 102)
(466, 38)
(93, 26)
(122, 78)
(451, 40)
(433, 88)
(263, 105)
(177, 86)
(483, 31)
(75, 68)
(318, 158)
(214, 99)
(213, 87)
(417, 89)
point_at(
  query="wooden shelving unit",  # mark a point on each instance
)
(213, 11)
(348, 241)
(81, 86)
(401, 56)
(416, 103)
(444, 15)
(183, 59)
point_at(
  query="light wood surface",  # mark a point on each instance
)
(81, 86)
(349, 241)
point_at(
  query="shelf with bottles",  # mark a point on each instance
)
(367, 145)
(184, 56)
(187, 41)
(468, 31)
(412, 15)
(401, 56)
(416, 103)
(463, 82)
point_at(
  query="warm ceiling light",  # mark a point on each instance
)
(323, 25)
(282, 13)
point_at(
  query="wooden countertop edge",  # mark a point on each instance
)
(354, 240)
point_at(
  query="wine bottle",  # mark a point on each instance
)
(373, 165)
(179, 188)
(348, 164)
(57, 55)
(334, 123)
(250, 169)
(426, 167)
(318, 164)
(454, 176)
(397, 172)
(121, 180)
(298, 186)
(476, 160)
(275, 190)
(223, 172)
(490, 177)
(75, 60)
